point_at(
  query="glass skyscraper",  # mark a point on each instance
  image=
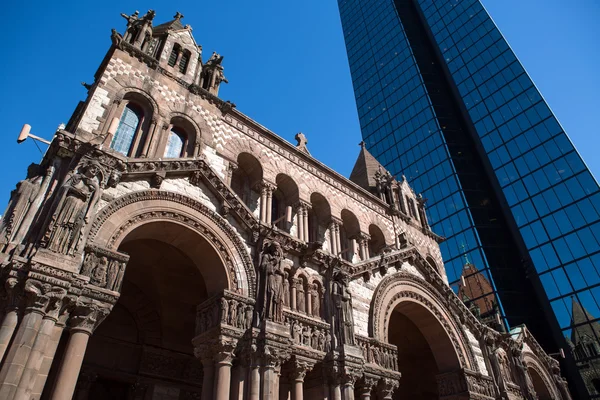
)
(443, 100)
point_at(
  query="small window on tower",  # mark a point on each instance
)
(174, 55)
(175, 144)
(185, 60)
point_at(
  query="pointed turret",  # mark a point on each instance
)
(365, 168)
(580, 316)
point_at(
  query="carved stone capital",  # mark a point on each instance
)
(13, 293)
(299, 370)
(43, 297)
(386, 388)
(86, 316)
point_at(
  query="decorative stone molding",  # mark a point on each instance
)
(383, 355)
(227, 309)
(87, 315)
(104, 267)
(196, 224)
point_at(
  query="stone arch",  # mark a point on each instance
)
(319, 217)
(124, 214)
(377, 240)
(128, 90)
(246, 179)
(415, 296)
(192, 130)
(540, 378)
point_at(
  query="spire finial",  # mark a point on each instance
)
(464, 249)
(178, 15)
(362, 144)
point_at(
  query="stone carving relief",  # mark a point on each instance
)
(342, 316)
(271, 275)
(75, 205)
(104, 267)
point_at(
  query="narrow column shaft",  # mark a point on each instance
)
(298, 389)
(309, 301)
(238, 382)
(19, 351)
(293, 296)
(254, 383)
(306, 227)
(263, 205)
(365, 395)
(333, 240)
(269, 210)
(71, 365)
(223, 382)
(209, 377)
(336, 391)
(9, 323)
(270, 389)
(49, 354)
(34, 362)
(149, 142)
(300, 223)
(348, 391)
(338, 242)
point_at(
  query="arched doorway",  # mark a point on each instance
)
(144, 347)
(425, 350)
(541, 389)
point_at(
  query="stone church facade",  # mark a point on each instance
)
(169, 247)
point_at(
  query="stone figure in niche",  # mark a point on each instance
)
(316, 301)
(241, 316)
(249, 312)
(314, 340)
(77, 201)
(98, 277)
(300, 298)
(232, 312)
(224, 310)
(321, 342)
(342, 313)
(327, 342)
(306, 336)
(271, 272)
(22, 199)
(297, 332)
(113, 272)
(286, 289)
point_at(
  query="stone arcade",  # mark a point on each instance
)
(169, 247)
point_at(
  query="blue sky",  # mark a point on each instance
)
(285, 61)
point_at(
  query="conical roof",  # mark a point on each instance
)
(363, 173)
(581, 316)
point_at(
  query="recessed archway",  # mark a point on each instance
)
(424, 350)
(172, 269)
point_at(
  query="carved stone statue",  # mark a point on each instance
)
(22, 199)
(271, 273)
(99, 273)
(300, 298)
(343, 318)
(286, 289)
(315, 301)
(77, 200)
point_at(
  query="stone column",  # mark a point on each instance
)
(297, 376)
(270, 389)
(306, 225)
(11, 316)
(365, 388)
(308, 296)
(269, 205)
(338, 240)
(49, 354)
(253, 379)
(293, 283)
(238, 381)
(85, 318)
(223, 363)
(300, 220)
(333, 238)
(336, 390)
(39, 348)
(149, 142)
(348, 381)
(208, 370)
(37, 298)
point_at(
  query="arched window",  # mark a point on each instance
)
(174, 55)
(175, 144)
(185, 60)
(128, 126)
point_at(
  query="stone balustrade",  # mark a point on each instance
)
(227, 308)
(384, 355)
